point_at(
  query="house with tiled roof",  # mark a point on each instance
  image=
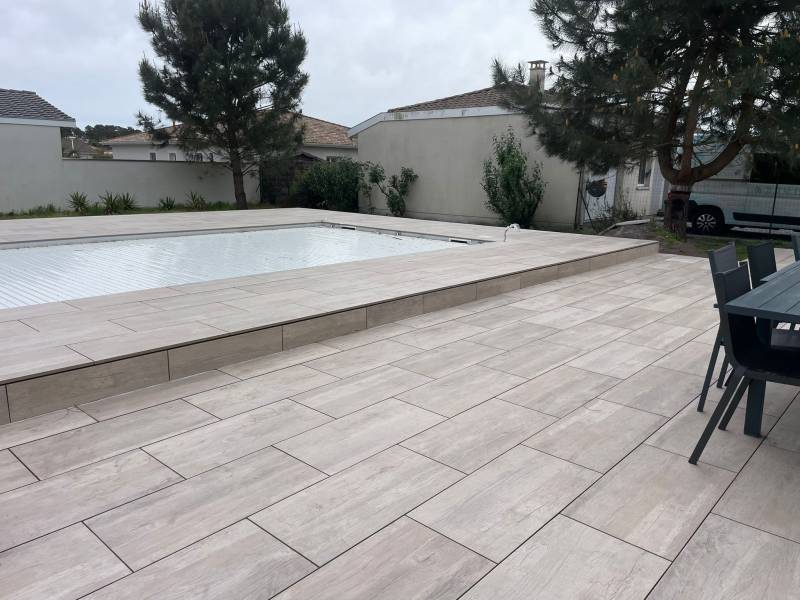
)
(322, 140)
(23, 107)
(447, 140)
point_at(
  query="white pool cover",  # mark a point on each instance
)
(40, 274)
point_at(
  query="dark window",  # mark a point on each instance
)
(769, 168)
(645, 167)
(152, 156)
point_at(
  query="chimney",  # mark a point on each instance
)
(536, 79)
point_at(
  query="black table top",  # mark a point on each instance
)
(777, 299)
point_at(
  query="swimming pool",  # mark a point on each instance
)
(50, 273)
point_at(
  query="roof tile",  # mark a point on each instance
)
(23, 104)
(490, 96)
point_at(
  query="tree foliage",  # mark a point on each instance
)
(395, 189)
(693, 80)
(230, 72)
(332, 185)
(514, 189)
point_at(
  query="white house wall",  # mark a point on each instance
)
(448, 156)
(142, 152)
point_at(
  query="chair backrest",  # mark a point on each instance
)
(796, 245)
(723, 259)
(739, 332)
(761, 258)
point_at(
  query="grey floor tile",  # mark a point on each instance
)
(221, 442)
(656, 390)
(471, 439)
(432, 318)
(157, 525)
(504, 502)
(587, 336)
(461, 390)
(603, 302)
(13, 473)
(512, 336)
(531, 360)
(541, 303)
(726, 560)
(630, 317)
(664, 302)
(115, 406)
(661, 336)
(728, 449)
(34, 428)
(447, 359)
(339, 512)
(597, 435)
(406, 561)
(259, 391)
(367, 336)
(346, 441)
(560, 391)
(690, 358)
(617, 359)
(39, 508)
(697, 317)
(353, 393)
(777, 398)
(363, 358)
(278, 361)
(241, 561)
(652, 499)
(567, 560)
(497, 317)
(91, 443)
(434, 336)
(764, 495)
(786, 433)
(64, 565)
(564, 317)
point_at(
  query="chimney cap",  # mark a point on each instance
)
(537, 63)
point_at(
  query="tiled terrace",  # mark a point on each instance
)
(531, 444)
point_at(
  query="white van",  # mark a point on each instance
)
(755, 190)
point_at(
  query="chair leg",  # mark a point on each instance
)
(716, 416)
(722, 371)
(723, 425)
(712, 362)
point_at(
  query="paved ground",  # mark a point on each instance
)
(529, 445)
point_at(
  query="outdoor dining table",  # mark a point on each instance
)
(776, 299)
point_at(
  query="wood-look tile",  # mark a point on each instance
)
(34, 428)
(221, 442)
(346, 441)
(617, 359)
(405, 561)
(157, 525)
(587, 336)
(39, 508)
(13, 473)
(24, 363)
(656, 390)
(497, 317)
(367, 336)
(448, 298)
(630, 317)
(764, 495)
(661, 336)
(394, 310)
(95, 442)
(242, 396)
(471, 439)
(168, 318)
(241, 561)
(501, 504)
(439, 335)
(348, 395)
(5, 415)
(664, 303)
(64, 565)
(597, 435)
(726, 560)
(434, 318)
(308, 331)
(335, 514)
(446, 359)
(652, 499)
(513, 335)
(568, 560)
(461, 390)
(531, 360)
(114, 406)
(563, 317)
(278, 361)
(560, 391)
(363, 358)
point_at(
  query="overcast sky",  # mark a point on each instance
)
(364, 57)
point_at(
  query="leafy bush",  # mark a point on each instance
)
(196, 201)
(43, 211)
(108, 203)
(79, 203)
(514, 189)
(397, 188)
(126, 202)
(166, 203)
(331, 185)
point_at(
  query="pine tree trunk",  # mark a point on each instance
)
(676, 212)
(238, 183)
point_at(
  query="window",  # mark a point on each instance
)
(199, 157)
(645, 168)
(152, 156)
(173, 157)
(769, 168)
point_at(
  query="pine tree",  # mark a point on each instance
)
(674, 77)
(229, 74)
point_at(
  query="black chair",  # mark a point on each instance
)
(761, 259)
(796, 245)
(751, 358)
(723, 259)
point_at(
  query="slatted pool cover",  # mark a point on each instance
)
(41, 274)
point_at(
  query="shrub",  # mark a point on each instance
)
(331, 185)
(43, 211)
(166, 203)
(108, 203)
(126, 202)
(514, 189)
(79, 203)
(196, 201)
(397, 188)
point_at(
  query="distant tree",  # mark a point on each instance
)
(513, 188)
(332, 185)
(230, 74)
(395, 189)
(672, 77)
(95, 134)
